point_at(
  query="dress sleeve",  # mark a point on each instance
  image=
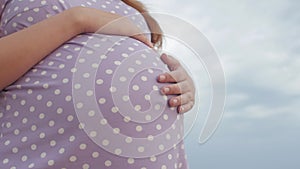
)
(2, 6)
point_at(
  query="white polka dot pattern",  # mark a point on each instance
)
(147, 111)
(92, 103)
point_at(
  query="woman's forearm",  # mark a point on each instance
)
(22, 50)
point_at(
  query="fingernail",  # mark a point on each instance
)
(162, 77)
(166, 90)
(175, 101)
(151, 45)
(181, 109)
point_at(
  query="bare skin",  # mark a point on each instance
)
(183, 85)
(19, 52)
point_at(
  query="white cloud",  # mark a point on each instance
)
(258, 43)
(249, 38)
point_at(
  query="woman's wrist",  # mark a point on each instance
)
(89, 19)
(77, 19)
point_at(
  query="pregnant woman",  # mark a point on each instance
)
(74, 98)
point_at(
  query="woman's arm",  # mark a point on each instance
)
(156, 32)
(22, 50)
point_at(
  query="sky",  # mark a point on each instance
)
(258, 44)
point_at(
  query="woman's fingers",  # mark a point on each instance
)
(172, 63)
(183, 85)
(184, 102)
(186, 107)
(181, 99)
(178, 88)
(144, 39)
(177, 75)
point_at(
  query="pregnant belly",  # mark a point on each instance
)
(95, 90)
(92, 103)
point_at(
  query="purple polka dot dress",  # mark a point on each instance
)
(94, 102)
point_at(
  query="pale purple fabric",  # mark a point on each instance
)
(92, 103)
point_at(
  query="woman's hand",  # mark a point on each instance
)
(97, 21)
(183, 85)
(17, 58)
(156, 32)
